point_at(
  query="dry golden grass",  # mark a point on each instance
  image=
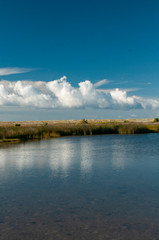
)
(72, 122)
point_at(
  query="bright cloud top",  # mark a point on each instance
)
(60, 94)
(14, 70)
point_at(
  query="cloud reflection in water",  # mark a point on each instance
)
(63, 155)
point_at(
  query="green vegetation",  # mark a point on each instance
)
(83, 121)
(156, 119)
(17, 125)
(45, 123)
(20, 132)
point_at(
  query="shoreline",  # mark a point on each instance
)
(18, 131)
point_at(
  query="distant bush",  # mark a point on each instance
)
(156, 120)
(84, 121)
(45, 123)
(17, 125)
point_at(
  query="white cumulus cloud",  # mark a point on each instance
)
(60, 94)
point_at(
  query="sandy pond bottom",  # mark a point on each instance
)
(75, 228)
(100, 187)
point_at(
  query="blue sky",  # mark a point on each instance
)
(83, 40)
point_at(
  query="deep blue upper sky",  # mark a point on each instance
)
(91, 39)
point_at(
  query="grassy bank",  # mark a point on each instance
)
(19, 131)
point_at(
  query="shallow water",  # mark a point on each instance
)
(98, 187)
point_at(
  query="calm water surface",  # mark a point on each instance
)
(98, 187)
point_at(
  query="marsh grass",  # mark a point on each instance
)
(45, 131)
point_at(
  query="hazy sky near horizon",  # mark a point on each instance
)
(111, 46)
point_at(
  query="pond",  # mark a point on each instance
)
(89, 187)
